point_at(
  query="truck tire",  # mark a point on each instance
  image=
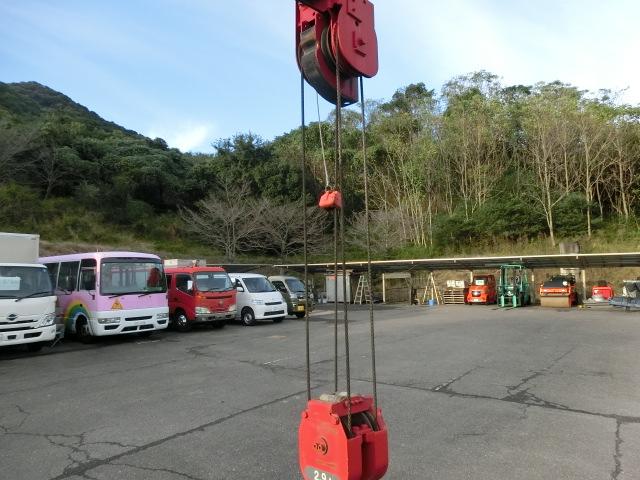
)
(180, 322)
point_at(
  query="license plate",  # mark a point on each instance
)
(300, 308)
(476, 299)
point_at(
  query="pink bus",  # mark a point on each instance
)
(109, 293)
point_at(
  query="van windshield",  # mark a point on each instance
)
(258, 285)
(212, 282)
(295, 285)
(21, 282)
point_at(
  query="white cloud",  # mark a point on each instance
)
(187, 137)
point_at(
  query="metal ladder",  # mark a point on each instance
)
(362, 291)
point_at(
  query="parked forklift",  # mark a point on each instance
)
(513, 286)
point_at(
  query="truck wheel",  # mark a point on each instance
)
(35, 347)
(300, 314)
(248, 317)
(278, 320)
(82, 330)
(181, 322)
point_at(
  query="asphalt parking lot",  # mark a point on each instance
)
(468, 392)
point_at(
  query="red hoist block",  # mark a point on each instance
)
(328, 452)
(330, 199)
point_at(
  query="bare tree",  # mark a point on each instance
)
(281, 228)
(228, 219)
(543, 152)
(386, 230)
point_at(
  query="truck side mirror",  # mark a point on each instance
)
(189, 285)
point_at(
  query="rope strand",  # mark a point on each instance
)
(374, 379)
(344, 264)
(324, 158)
(304, 237)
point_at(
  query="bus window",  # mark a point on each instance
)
(53, 273)
(88, 274)
(68, 276)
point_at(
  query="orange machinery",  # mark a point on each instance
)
(559, 292)
(482, 290)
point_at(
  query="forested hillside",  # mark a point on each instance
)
(475, 167)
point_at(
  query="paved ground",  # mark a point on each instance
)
(468, 393)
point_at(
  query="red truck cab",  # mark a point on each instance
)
(482, 290)
(200, 295)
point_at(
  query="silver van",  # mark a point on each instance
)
(293, 291)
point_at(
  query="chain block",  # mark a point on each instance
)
(330, 199)
(336, 34)
(329, 451)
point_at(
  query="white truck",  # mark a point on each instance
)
(27, 300)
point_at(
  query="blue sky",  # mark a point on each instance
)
(193, 71)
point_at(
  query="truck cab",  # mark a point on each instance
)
(293, 291)
(482, 290)
(27, 300)
(200, 295)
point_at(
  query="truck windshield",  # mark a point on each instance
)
(212, 282)
(295, 285)
(259, 285)
(130, 276)
(20, 282)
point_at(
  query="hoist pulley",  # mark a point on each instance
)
(327, 30)
(329, 450)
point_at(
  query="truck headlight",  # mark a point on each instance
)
(257, 302)
(232, 308)
(103, 321)
(47, 319)
(162, 316)
(202, 310)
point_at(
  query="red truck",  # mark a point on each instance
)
(200, 295)
(482, 290)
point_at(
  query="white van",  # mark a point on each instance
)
(257, 299)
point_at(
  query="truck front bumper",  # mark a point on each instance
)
(44, 334)
(215, 317)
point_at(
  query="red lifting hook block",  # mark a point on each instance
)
(330, 199)
(328, 451)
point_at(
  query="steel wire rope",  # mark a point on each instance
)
(324, 158)
(374, 377)
(340, 181)
(304, 237)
